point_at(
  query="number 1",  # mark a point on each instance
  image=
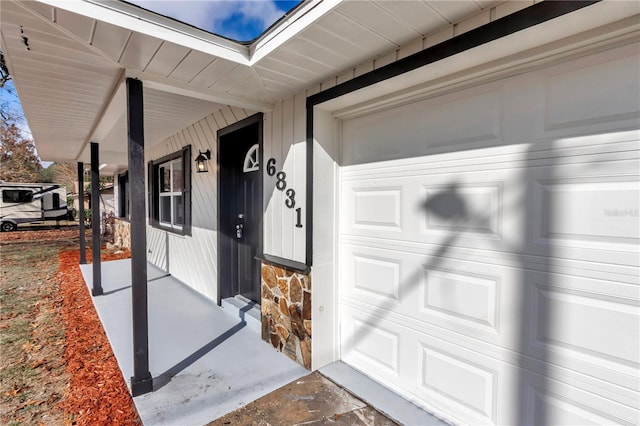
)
(299, 217)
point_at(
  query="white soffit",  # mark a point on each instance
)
(605, 22)
(165, 115)
(62, 84)
(350, 33)
(159, 47)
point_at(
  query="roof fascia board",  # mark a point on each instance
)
(529, 17)
(165, 84)
(154, 25)
(290, 27)
(455, 76)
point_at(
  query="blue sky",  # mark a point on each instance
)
(240, 20)
(10, 103)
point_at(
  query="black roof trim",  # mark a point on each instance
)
(518, 21)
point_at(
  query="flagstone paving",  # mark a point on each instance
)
(310, 400)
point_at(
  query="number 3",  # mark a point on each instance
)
(291, 201)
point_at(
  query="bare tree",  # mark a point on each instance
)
(4, 71)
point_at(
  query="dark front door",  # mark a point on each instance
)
(240, 209)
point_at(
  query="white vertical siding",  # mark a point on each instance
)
(288, 160)
(192, 259)
(285, 141)
(299, 149)
(271, 196)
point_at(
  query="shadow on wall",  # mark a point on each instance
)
(450, 206)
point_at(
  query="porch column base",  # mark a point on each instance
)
(141, 386)
(97, 292)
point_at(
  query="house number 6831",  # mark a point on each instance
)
(281, 185)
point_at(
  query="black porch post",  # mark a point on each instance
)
(141, 382)
(83, 244)
(95, 221)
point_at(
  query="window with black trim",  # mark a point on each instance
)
(17, 196)
(170, 192)
(123, 195)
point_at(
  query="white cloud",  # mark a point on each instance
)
(235, 19)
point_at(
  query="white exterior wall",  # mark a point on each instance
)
(192, 258)
(285, 141)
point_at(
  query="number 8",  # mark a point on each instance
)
(281, 184)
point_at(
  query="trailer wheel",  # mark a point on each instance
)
(8, 226)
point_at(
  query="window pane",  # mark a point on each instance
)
(177, 175)
(17, 196)
(165, 209)
(165, 178)
(10, 196)
(178, 210)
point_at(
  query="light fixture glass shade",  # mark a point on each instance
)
(201, 161)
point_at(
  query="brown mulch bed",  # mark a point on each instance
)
(57, 364)
(97, 394)
(51, 235)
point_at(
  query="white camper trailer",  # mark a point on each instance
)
(30, 202)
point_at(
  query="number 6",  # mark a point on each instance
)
(271, 166)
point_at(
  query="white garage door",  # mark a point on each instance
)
(489, 246)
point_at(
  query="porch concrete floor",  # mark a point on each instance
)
(205, 363)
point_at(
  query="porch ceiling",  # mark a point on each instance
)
(70, 79)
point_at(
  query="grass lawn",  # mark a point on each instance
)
(56, 365)
(33, 377)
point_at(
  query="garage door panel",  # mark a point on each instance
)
(458, 296)
(590, 374)
(581, 321)
(462, 296)
(625, 276)
(593, 211)
(460, 380)
(440, 132)
(372, 342)
(495, 233)
(559, 404)
(471, 210)
(377, 276)
(585, 326)
(593, 208)
(420, 369)
(377, 209)
(587, 96)
(468, 211)
(587, 211)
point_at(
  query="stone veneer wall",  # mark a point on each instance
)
(122, 233)
(286, 312)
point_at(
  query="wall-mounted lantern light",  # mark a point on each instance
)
(201, 161)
